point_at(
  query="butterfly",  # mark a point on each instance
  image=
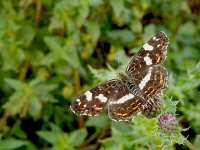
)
(139, 86)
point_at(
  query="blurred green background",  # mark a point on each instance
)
(45, 48)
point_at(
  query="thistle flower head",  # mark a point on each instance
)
(167, 123)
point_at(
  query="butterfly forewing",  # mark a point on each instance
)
(152, 53)
(93, 101)
(124, 105)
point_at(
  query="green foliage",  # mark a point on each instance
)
(61, 140)
(45, 48)
(11, 143)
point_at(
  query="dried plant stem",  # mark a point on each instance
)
(38, 11)
(24, 69)
(77, 90)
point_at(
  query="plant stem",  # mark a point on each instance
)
(77, 90)
(189, 145)
(38, 11)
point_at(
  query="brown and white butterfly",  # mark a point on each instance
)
(125, 97)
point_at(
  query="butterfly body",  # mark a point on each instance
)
(129, 83)
(135, 90)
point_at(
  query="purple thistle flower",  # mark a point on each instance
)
(167, 123)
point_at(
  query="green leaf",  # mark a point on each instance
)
(34, 106)
(48, 136)
(11, 143)
(27, 38)
(53, 43)
(45, 88)
(121, 35)
(93, 29)
(83, 13)
(51, 58)
(70, 55)
(170, 106)
(77, 137)
(95, 3)
(149, 30)
(66, 5)
(184, 28)
(136, 26)
(111, 144)
(117, 6)
(102, 74)
(34, 82)
(15, 84)
(15, 103)
(55, 128)
(101, 121)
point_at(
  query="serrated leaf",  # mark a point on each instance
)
(170, 106)
(102, 74)
(180, 139)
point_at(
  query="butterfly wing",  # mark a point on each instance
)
(151, 81)
(124, 105)
(142, 70)
(93, 101)
(152, 53)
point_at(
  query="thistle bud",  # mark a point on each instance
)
(167, 123)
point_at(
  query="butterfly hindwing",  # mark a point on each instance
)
(157, 82)
(151, 81)
(93, 101)
(124, 105)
